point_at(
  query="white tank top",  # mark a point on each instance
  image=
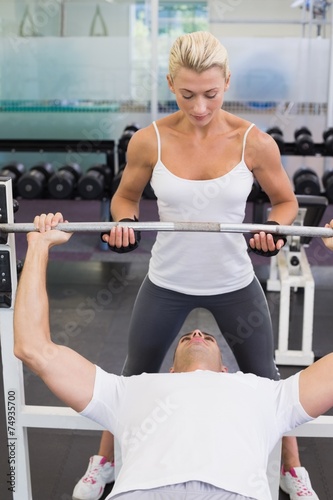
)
(201, 263)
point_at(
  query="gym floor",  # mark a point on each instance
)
(95, 323)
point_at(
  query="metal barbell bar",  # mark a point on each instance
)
(217, 227)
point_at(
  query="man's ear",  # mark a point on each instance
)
(172, 370)
(224, 369)
(170, 83)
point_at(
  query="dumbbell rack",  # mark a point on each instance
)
(80, 147)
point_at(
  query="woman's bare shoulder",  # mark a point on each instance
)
(235, 123)
(143, 141)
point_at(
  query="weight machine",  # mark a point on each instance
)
(20, 416)
(290, 270)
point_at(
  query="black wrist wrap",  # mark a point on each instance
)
(276, 238)
(131, 246)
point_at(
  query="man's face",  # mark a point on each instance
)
(197, 350)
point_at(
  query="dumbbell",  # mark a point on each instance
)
(61, 184)
(328, 141)
(327, 181)
(13, 171)
(95, 182)
(277, 135)
(123, 141)
(306, 181)
(32, 184)
(126, 136)
(304, 142)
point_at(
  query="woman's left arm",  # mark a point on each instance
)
(264, 159)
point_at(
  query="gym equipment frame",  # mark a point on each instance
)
(290, 269)
(20, 416)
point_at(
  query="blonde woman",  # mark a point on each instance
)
(201, 162)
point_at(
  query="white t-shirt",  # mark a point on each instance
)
(217, 428)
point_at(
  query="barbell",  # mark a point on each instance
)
(217, 227)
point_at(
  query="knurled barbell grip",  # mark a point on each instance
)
(96, 227)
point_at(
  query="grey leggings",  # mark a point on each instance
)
(193, 490)
(242, 316)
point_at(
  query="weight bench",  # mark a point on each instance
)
(20, 416)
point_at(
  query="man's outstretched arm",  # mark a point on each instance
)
(68, 375)
(316, 381)
(316, 386)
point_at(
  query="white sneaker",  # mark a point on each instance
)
(296, 483)
(91, 486)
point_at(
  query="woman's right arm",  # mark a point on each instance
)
(136, 175)
(141, 157)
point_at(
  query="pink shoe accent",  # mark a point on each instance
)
(292, 472)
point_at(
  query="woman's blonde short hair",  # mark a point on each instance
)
(198, 51)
